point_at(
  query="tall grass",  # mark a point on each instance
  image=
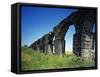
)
(33, 60)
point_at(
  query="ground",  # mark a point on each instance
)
(33, 60)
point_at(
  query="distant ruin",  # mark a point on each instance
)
(83, 39)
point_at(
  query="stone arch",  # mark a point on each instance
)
(69, 38)
(83, 19)
(60, 33)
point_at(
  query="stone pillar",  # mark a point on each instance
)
(53, 46)
(87, 42)
(82, 45)
(93, 46)
(45, 48)
(37, 48)
(77, 44)
(59, 46)
(49, 49)
(38, 45)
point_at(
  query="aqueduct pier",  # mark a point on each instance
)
(83, 39)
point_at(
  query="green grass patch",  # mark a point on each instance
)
(33, 60)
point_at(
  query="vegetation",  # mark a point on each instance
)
(33, 60)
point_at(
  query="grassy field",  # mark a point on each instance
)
(33, 60)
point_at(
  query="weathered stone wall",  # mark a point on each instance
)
(83, 39)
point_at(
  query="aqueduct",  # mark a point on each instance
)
(83, 39)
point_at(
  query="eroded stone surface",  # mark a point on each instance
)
(83, 39)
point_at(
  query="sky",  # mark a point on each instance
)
(38, 21)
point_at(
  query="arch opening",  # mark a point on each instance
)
(93, 31)
(69, 39)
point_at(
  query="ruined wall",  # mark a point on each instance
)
(53, 42)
